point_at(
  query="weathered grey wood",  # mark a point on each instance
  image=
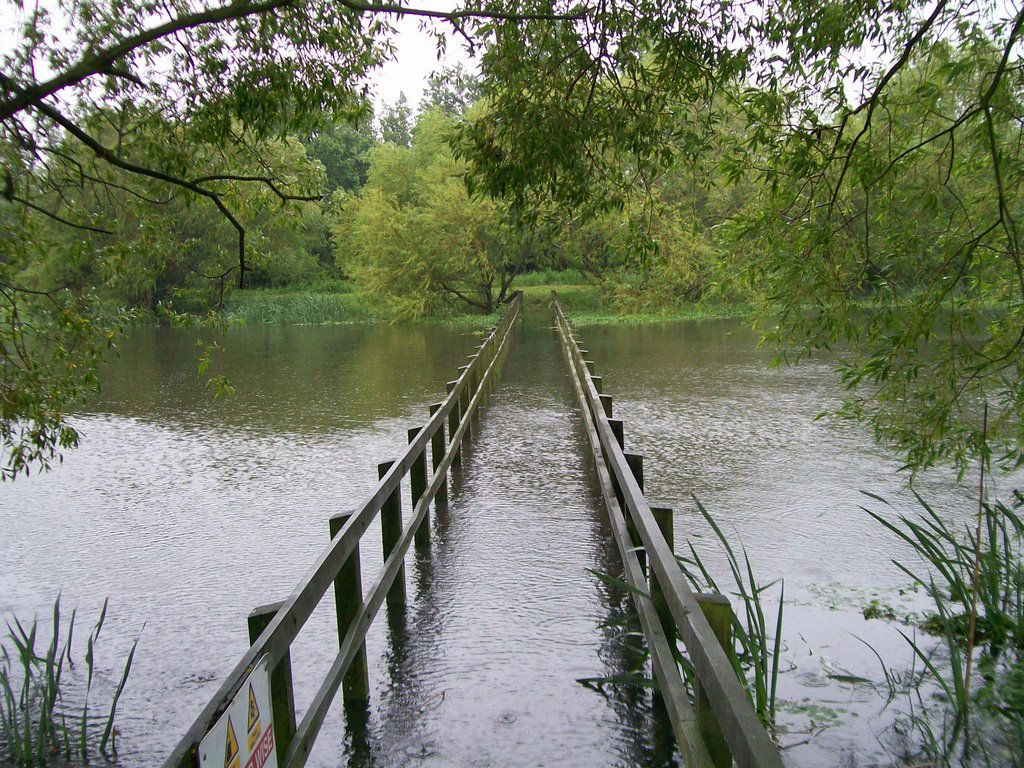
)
(391, 532)
(636, 466)
(454, 417)
(618, 431)
(598, 383)
(437, 449)
(348, 600)
(663, 516)
(417, 485)
(672, 688)
(718, 612)
(747, 738)
(286, 624)
(606, 404)
(591, 366)
(282, 695)
(317, 711)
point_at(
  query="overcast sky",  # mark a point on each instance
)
(416, 57)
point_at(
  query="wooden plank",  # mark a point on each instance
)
(747, 738)
(279, 633)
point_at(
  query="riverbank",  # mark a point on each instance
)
(342, 302)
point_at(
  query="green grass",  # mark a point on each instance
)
(276, 306)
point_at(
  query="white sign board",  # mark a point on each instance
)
(243, 737)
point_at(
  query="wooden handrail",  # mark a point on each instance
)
(747, 738)
(280, 632)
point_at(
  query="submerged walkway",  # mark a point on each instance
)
(504, 616)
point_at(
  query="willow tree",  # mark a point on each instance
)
(885, 139)
(229, 76)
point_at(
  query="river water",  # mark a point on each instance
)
(188, 511)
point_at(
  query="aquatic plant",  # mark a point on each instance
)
(975, 581)
(37, 719)
(759, 643)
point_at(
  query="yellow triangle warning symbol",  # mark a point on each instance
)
(230, 745)
(254, 710)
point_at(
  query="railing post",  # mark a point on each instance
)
(454, 417)
(617, 430)
(390, 533)
(464, 398)
(282, 697)
(418, 484)
(636, 466)
(598, 383)
(348, 599)
(718, 612)
(663, 517)
(437, 456)
(606, 403)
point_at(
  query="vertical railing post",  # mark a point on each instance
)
(464, 397)
(636, 466)
(718, 612)
(437, 456)
(598, 383)
(348, 599)
(282, 697)
(454, 417)
(663, 517)
(617, 430)
(390, 533)
(606, 403)
(417, 485)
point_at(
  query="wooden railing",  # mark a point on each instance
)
(724, 726)
(274, 627)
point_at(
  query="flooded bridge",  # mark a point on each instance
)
(512, 693)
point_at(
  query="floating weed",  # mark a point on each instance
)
(37, 718)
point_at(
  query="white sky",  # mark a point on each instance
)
(416, 56)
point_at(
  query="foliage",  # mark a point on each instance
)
(983, 722)
(344, 151)
(309, 307)
(39, 717)
(759, 643)
(414, 239)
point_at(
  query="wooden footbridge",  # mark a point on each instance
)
(251, 720)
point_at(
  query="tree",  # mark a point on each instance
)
(230, 75)
(840, 126)
(415, 239)
(344, 151)
(396, 123)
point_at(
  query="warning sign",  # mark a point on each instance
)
(251, 706)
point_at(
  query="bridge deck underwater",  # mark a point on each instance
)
(494, 609)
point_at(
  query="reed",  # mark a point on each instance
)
(296, 308)
(38, 719)
(759, 642)
(981, 720)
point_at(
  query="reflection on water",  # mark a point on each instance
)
(189, 511)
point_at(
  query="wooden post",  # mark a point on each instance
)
(663, 517)
(390, 533)
(718, 612)
(606, 403)
(282, 697)
(418, 484)
(464, 399)
(598, 383)
(454, 416)
(348, 599)
(636, 466)
(437, 456)
(590, 366)
(616, 425)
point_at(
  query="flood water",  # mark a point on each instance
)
(187, 512)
